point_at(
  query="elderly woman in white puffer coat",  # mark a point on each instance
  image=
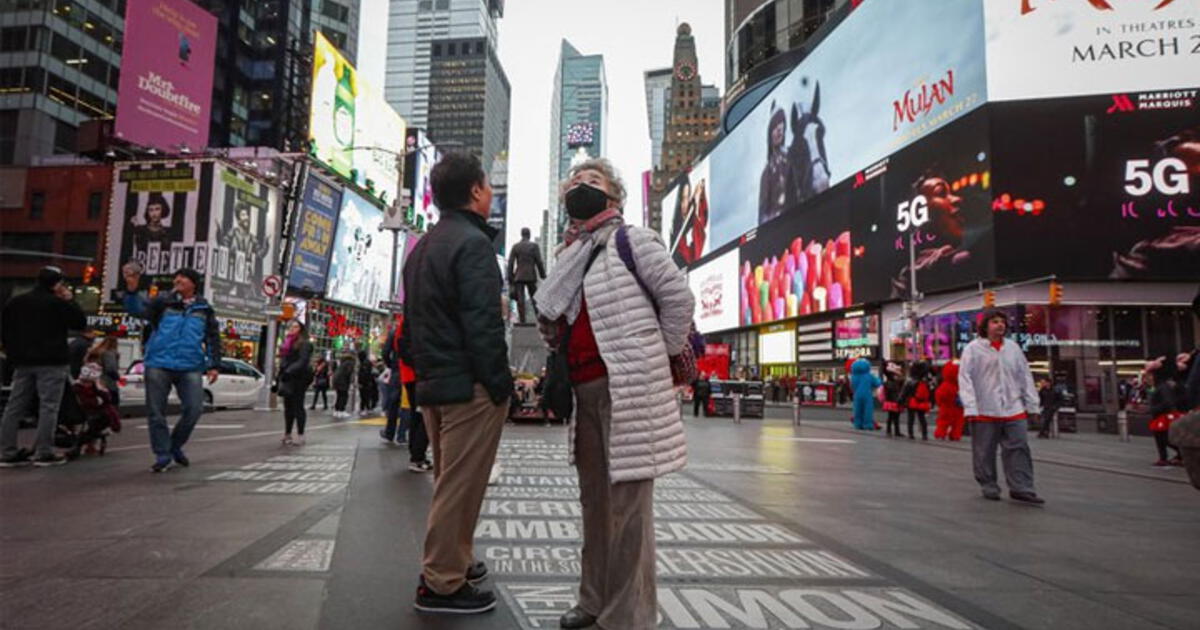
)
(627, 430)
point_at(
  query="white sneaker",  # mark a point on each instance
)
(287, 440)
(299, 441)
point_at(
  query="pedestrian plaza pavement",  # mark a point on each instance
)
(770, 526)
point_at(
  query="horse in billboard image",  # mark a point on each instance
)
(795, 172)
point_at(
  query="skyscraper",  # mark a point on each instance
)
(692, 119)
(469, 98)
(413, 25)
(578, 123)
(658, 83)
(264, 66)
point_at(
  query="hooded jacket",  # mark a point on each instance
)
(35, 326)
(996, 384)
(180, 337)
(946, 394)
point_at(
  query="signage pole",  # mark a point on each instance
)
(291, 210)
(913, 295)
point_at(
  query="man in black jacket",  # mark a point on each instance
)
(525, 268)
(453, 338)
(35, 329)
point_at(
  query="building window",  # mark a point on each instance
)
(437, 50)
(37, 205)
(81, 244)
(28, 241)
(95, 205)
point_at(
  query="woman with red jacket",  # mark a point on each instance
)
(917, 398)
(950, 417)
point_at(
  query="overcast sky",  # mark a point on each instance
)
(633, 36)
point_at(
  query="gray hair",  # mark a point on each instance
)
(602, 166)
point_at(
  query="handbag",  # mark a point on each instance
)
(1164, 421)
(558, 394)
(683, 365)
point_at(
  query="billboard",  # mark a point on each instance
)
(166, 80)
(243, 232)
(937, 191)
(351, 127)
(689, 214)
(1042, 49)
(361, 268)
(313, 238)
(798, 264)
(422, 155)
(715, 286)
(856, 337)
(159, 219)
(891, 73)
(1105, 193)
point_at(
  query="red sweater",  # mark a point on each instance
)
(583, 355)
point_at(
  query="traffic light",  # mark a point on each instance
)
(1056, 293)
(289, 311)
(89, 273)
(989, 299)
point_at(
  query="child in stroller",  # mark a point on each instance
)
(99, 415)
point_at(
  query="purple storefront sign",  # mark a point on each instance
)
(166, 74)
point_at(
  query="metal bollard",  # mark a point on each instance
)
(796, 411)
(1054, 426)
(1123, 425)
(737, 408)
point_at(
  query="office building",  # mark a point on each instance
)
(263, 67)
(578, 123)
(658, 82)
(469, 98)
(413, 25)
(60, 67)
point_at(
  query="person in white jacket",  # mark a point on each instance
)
(998, 395)
(626, 431)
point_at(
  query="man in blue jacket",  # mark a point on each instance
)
(182, 343)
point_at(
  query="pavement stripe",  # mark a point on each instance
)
(814, 440)
(206, 426)
(275, 432)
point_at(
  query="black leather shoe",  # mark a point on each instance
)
(991, 495)
(1027, 497)
(576, 618)
(477, 572)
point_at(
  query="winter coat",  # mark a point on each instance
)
(946, 394)
(321, 376)
(862, 381)
(400, 372)
(295, 369)
(184, 338)
(453, 333)
(996, 383)
(35, 327)
(646, 439)
(917, 395)
(110, 363)
(343, 378)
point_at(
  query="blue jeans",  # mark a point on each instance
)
(391, 407)
(47, 382)
(190, 387)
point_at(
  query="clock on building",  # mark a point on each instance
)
(685, 70)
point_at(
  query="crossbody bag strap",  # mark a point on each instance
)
(625, 251)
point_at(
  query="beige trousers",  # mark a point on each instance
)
(618, 524)
(465, 437)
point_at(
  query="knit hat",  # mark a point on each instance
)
(190, 274)
(49, 276)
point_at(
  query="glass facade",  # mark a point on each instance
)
(1089, 348)
(775, 27)
(580, 98)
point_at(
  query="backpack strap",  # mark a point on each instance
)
(625, 251)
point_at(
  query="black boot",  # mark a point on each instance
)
(576, 618)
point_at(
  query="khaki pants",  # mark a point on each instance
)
(618, 524)
(465, 437)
